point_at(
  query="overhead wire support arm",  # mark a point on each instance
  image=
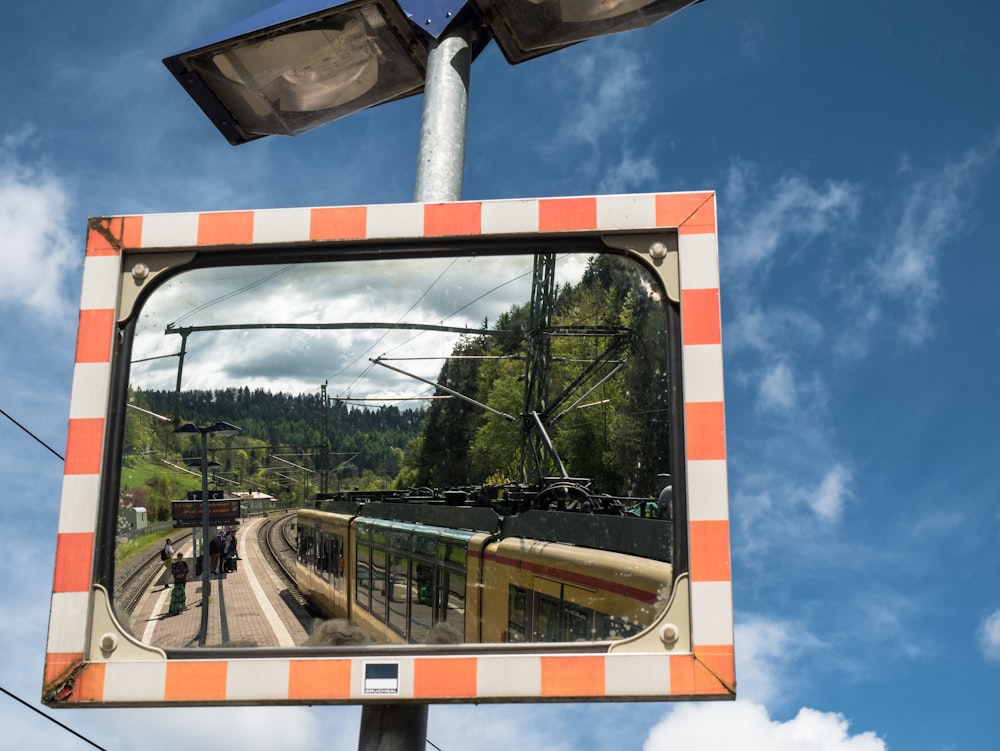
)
(293, 464)
(587, 393)
(548, 445)
(463, 397)
(185, 330)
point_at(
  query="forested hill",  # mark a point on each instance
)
(377, 435)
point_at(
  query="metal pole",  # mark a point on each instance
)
(441, 154)
(206, 580)
(393, 727)
(180, 372)
(441, 160)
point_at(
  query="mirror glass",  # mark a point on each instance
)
(470, 449)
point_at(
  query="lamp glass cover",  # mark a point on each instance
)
(528, 28)
(311, 73)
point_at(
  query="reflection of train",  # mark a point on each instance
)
(397, 569)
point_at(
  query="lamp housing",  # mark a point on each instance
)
(529, 28)
(301, 64)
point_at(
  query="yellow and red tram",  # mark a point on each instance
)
(474, 579)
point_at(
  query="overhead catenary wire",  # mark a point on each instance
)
(386, 333)
(12, 695)
(68, 729)
(234, 293)
(32, 435)
(17, 698)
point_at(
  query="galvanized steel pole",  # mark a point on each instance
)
(440, 162)
(441, 156)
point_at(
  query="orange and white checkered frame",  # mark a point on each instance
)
(81, 670)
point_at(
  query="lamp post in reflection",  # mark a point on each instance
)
(222, 429)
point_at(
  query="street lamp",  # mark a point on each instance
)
(530, 28)
(304, 63)
(224, 430)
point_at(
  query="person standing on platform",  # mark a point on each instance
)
(178, 598)
(229, 552)
(215, 551)
(167, 556)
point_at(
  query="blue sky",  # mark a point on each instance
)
(855, 149)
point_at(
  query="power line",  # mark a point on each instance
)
(32, 435)
(51, 719)
(15, 697)
(234, 293)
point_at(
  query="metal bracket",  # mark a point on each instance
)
(139, 269)
(662, 249)
(671, 632)
(109, 641)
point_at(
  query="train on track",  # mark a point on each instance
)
(432, 567)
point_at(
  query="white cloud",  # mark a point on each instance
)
(604, 124)
(765, 650)
(904, 269)
(772, 224)
(743, 724)
(831, 495)
(629, 173)
(989, 637)
(792, 211)
(777, 387)
(37, 253)
(770, 653)
(611, 72)
(769, 331)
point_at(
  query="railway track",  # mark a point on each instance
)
(276, 539)
(134, 577)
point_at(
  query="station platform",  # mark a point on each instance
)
(250, 607)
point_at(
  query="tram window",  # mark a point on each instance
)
(451, 587)
(397, 593)
(602, 626)
(338, 556)
(621, 629)
(379, 584)
(316, 559)
(399, 541)
(329, 556)
(337, 563)
(452, 551)
(424, 544)
(303, 543)
(546, 621)
(421, 597)
(321, 564)
(363, 591)
(517, 614)
(310, 554)
(577, 622)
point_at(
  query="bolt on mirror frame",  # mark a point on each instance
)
(91, 661)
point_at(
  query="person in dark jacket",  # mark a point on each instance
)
(178, 598)
(229, 556)
(215, 552)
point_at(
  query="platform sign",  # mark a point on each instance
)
(221, 511)
(499, 426)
